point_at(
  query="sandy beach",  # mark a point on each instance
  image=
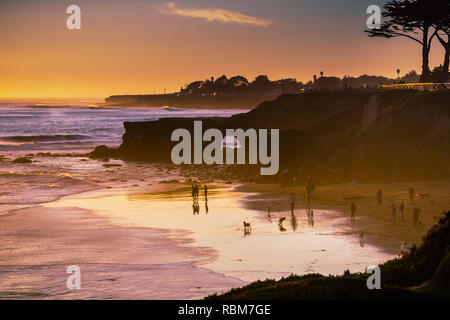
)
(375, 221)
(39, 242)
(132, 230)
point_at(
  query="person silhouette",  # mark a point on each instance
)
(309, 186)
(394, 212)
(402, 210)
(353, 211)
(311, 218)
(379, 197)
(196, 191)
(411, 193)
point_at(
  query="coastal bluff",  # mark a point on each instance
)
(335, 136)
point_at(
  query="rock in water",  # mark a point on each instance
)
(22, 160)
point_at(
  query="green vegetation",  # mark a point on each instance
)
(397, 275)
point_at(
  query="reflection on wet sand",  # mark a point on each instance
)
(293, 222)
(195, 207)
(269, 251)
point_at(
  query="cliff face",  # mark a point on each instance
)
(409, 140)
(333, 136)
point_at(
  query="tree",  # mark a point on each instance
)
(410, 19)
(442, 24)
(398, 73)
(321, 74)
(239, 81)
(262, 83)
(445, 66)
(411, 77)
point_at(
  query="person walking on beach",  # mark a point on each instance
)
(353, 211)
(292, 200)
(394, 212)
(379, 197)
(402, 210)
(206, 192)
(311, 218)
(196, 191)
(309, 185)
(193, 192)
(411, 193)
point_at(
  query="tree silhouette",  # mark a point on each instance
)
(321, 74)
(412, 19)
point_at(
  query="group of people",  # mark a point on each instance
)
(310, 188)
(196, 189)
(379, 196)
(394, 209)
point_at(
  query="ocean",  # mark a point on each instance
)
(78, 126)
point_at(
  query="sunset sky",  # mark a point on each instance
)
(144, 46)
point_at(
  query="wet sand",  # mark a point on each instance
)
(40, 243)
(268, 251)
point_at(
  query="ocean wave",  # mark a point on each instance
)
(166, 108)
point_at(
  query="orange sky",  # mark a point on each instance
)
(140, 46)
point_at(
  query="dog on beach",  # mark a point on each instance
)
(280, 224)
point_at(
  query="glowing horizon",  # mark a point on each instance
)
(144, 47)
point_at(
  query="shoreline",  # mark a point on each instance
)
(265, 234)
(40, 242)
